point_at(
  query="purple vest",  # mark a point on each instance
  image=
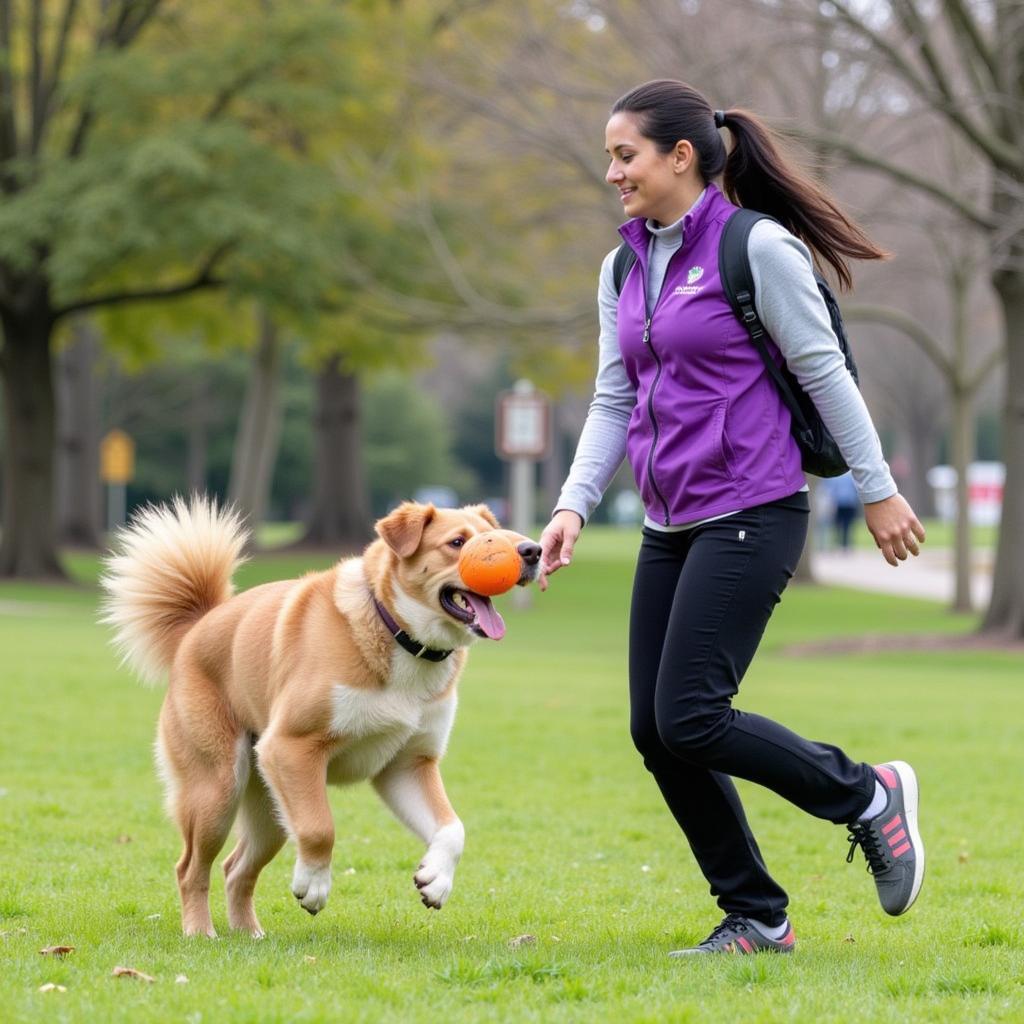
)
(709, 433)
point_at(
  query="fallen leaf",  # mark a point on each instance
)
(849, 938)
(152, 917)
(522, 940)
(181, 980)
(51, 987)
(57, 950)
(130, 972)
(310, 959)
(124, 839)
(349, 871)
(964, 857)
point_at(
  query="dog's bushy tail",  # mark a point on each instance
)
(170, 565)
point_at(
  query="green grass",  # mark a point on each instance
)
(567, 838)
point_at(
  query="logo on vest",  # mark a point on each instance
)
(693, 275)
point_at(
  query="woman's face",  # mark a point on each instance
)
(649, 182)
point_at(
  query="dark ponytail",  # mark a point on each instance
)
(756, 173)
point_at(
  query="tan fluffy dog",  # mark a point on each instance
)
(305, 681)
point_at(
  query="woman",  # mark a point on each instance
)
(683, 392)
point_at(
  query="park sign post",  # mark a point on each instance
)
(522, 438)
(117, 467)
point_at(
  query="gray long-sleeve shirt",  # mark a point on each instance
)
(794, 315)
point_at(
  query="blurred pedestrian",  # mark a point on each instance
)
(845, 501)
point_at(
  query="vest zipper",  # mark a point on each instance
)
(654, 421)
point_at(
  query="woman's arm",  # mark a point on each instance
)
(602, 443)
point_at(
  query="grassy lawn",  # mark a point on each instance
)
(567, 839)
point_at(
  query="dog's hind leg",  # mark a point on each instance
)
(260, 836)
(206, 771)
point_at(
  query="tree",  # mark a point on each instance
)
(140, 161)
(259, 426)
(957, 65)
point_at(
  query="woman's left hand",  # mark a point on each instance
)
(895, 528)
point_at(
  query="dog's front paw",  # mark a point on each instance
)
(434, 878)
(311, 886)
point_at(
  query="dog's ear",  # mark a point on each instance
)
(402, 529)
(485, 513)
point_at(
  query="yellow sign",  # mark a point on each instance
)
(117, 458)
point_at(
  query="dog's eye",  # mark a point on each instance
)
(457, 542)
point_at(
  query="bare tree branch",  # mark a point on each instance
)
(52, 80)
(941, 97)
(879, 42)
(35, 88)
(453, 11)
(995, 357)
(976, 215)
(970, 40)
(900, 321)
(448, 262)
(202, 279)
(409, 312)
(232, 89)
(132, 17)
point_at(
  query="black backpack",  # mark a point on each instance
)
(819, 453)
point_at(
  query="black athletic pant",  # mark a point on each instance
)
(701, 600)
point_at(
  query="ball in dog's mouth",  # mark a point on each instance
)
(473, 610)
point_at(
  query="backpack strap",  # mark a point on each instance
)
(738, 284)
(624, 260)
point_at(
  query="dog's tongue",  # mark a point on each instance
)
(487, 617)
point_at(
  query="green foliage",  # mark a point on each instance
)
(189, 152)
(407, 442)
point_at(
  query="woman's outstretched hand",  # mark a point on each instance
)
(895, 528)
(557, 542)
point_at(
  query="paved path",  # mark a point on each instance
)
(929, 576)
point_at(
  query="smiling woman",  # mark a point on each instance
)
(683, 393)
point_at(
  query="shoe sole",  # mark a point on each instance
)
(908, 780)
(681, 954)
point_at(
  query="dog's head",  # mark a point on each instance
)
(415, 571)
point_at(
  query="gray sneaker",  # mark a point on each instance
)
(738, 934)
(891, 842)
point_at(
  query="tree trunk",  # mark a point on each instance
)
(28, 546)
(79, 489)
(963, 451)
(922, 447)
(259, 428)
(198, 435)
(1005, 615)
(340, 516)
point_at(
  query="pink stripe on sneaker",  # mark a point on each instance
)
(894, 839)
(744, 944)
(889, 826)
(789, 938)
(901, 850)
(888, 776)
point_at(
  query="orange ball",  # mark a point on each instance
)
(489, 564)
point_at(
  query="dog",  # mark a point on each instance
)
(278, 691)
